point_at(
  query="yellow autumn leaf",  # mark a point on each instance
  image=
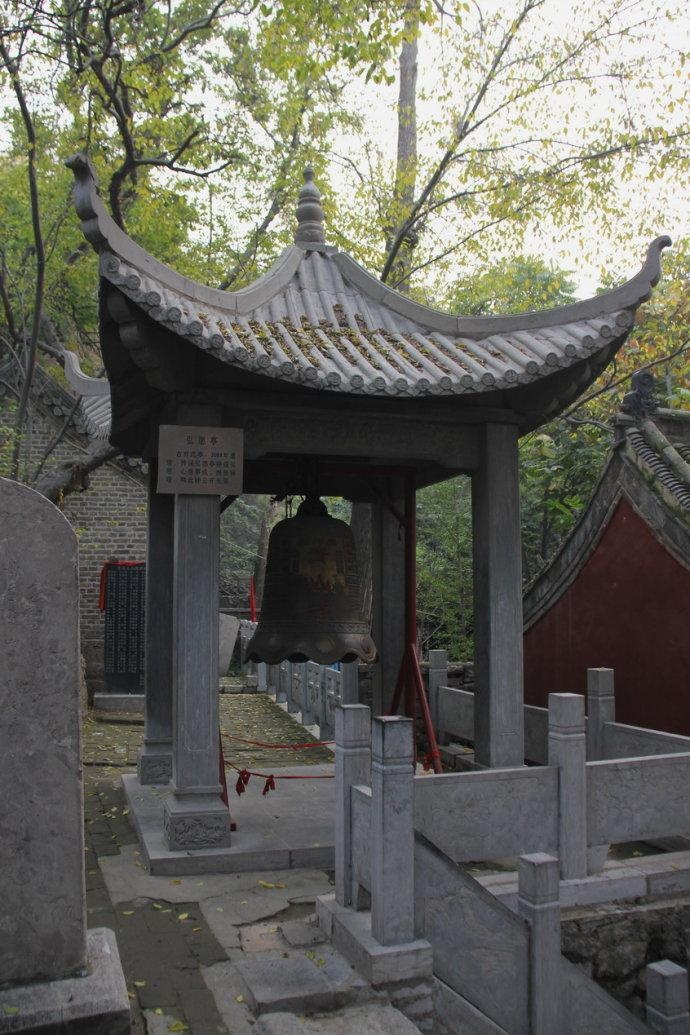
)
(178, 1026)
(158, 1011)
(239, 998)
(176, 881)
(140, 984)
(157, 906)
(9, 1010)
(183, 916)
(128, 912)
(195, 929)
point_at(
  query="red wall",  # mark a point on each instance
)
(629, 610)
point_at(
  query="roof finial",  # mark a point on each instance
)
(309, 212)
(641, 402)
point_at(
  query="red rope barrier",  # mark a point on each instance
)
(270, 778)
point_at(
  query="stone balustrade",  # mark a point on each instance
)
(401, 839)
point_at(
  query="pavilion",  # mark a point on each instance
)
(337, 380)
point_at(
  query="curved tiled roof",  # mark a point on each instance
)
(648, 466)
(319, 319)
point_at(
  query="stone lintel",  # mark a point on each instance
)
(96, 1003)
(196, 821)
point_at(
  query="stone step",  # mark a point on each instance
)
(312, 980)
(369, 1018)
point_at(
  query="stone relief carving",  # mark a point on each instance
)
(195, 831)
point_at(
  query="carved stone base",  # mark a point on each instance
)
(196, 822)
(155, 763)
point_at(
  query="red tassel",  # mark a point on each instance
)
(270, 785)
(242, 781)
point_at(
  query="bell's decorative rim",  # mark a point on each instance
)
(274, 647)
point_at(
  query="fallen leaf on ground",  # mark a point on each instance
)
(183, 916)
(176, 881)
(140, 984)
(239, 998)
(128, 912)
(158, 1011)
(178, 1026)
(195, 929)
(9, 1010)
(157, 906)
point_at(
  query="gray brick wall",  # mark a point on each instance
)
(109, 519)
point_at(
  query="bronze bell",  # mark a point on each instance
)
(312, 600)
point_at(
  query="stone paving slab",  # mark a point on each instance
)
(114, 738)
(368, 1019)
(272, 832)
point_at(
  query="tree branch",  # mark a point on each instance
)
(39, 251)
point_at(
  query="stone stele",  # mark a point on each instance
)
(42, 909)
(228, 628)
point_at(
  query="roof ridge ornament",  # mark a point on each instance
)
(310, 217)
(641, 402)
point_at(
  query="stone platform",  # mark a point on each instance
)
(96, 1003)
(291, 827)
(133, 703)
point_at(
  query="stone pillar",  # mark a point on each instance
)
(538, 904)
(499, 737)
(350, 682)
(194, 816)
(388, 600)
(352, 767)
(155, 757)
(54, 975)
(392, 831)
(601, 708)
(262, 677)
(667, 998)
(438, 677)
(567, 751)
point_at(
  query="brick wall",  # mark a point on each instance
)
(109, 520)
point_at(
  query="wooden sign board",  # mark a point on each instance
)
(206, 461)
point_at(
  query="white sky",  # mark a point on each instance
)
(654, 202)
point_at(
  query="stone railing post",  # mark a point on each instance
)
(538, 904)
(262, 677)
(601, 708)
(438, 677)
(392, 831)
(567, 752)
(294, 699)
(350, 682)
(352, 767)
(281, 682)
(667, 998)
(305, 702)
(273, 680)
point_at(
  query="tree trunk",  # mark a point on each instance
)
(262, 551)
(406, 158)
